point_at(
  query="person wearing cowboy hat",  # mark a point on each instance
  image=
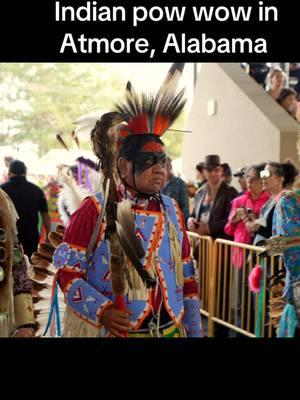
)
(212, 202)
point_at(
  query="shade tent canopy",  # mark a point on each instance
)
(48, 163)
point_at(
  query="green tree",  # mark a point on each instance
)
(173, 138)
(39, 100)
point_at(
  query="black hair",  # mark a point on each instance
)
(284, 93)
(89, 163)
(17, 167)
(226, 169)
(200, 166)
(287, 170)
(257, 168)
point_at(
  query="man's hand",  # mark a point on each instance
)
(116, 321)
(202, 229)
(192, 225)
(238, 215)
(252, 227)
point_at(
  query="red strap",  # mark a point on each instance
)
(120, 304)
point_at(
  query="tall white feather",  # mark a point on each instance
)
(86, 123)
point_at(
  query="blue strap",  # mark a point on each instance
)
(58, 324)
(54, 307)
(288, 322)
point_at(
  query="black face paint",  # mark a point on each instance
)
(146, 160)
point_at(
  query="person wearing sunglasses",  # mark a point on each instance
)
(277, 178)
(248, 205)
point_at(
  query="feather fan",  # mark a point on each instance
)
(131, 253)
(42, 279)
(125, 218)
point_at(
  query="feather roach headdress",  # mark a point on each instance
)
(151, 113)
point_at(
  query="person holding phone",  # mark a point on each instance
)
(246, 208)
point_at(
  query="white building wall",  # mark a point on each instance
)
(241, 131)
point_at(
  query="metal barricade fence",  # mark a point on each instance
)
(202, 247)
(231, 302)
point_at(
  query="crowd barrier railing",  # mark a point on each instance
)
(202, 247)
(232, 303)
(226, 298)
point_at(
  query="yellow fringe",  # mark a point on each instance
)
(76, 327)
(139, 290)
(4, 330)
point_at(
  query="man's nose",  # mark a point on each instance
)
(159, 166)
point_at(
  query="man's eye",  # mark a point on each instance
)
(148, 161)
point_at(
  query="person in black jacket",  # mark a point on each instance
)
(28, 200)
(212, 202)
(209, 217)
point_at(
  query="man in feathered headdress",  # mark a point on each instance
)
(125, 265)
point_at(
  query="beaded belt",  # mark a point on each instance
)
(167, 330)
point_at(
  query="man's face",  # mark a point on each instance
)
(213, 175)
(150, 172)
(243, 183)
(290, 104)
(254, 183)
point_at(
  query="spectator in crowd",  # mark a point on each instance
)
(258, 71)
(227, 173)
(176, 188)
(192, 189)
(250, 203)
(277, 177)
(287, 98)
(295, 73)
(276, 81)
(200, 175)
(7, 161)
(240, 174)
(212, 201)
(209, 217)
(29, 200)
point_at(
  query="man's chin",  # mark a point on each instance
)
(153, 189)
